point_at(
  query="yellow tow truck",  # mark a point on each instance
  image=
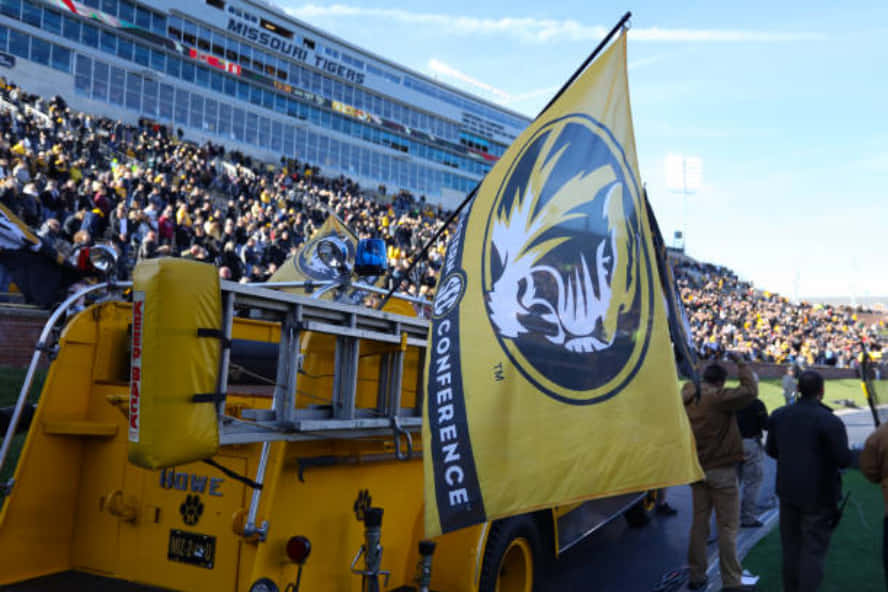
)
(197, 434)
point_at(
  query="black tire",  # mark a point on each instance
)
(503, 533)
(639, 514)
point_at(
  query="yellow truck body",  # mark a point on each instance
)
(77, 504)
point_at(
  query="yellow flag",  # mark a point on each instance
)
(550, 373)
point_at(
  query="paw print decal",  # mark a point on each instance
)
(191, 509)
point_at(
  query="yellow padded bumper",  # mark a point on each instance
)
(171, 363)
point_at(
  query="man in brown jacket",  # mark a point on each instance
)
(874, 466)
(720, 449)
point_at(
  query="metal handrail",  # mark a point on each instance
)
(327, 285)
(41, 348)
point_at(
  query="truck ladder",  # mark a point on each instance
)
(350, 325)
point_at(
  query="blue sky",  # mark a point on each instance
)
(783, 101)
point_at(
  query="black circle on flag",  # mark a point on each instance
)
(566, 272)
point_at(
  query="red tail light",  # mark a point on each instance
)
(298, 549)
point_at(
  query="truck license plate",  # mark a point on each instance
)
(192, 548)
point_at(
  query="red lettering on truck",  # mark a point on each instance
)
(136, 365)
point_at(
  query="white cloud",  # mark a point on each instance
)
(536, 30)
(439, 67)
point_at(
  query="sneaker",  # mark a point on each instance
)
(698, 585)
(665, 509)
(752, 524)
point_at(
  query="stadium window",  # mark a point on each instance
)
(210, 115)
(279, 30)
(52, 21)
(287, 147)
(202, 77)
(143, 17)
(133, 92)
(90, 35)
(216, 81)
(40, 51)
(117, 86)
(243, 91)
(189, 33)
(108, 42)
(217, 4)
(4, 38)
(187, 70)
(218, 49)
(100, 81)
(270, 69)
(11, 8)
(125, 49)
(71, 29)
(141, 54)
(158, 23)
(224, 126)
(268, 99)
(31, 13)
(230, 86)
(180, 111)
(197, 104)
(174, 66)
(280, 103)
(203, 43)
(255, 95)
(19, 43)
(165, 101)
(149, 97)
(237, 124)
(251, 128)
(127, 11)
(264, 132)
(309, 43)
(92, 3)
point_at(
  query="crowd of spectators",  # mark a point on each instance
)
(728, 314)
(82, 179)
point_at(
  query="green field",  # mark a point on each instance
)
(854, 561)
(11, 380)
(771, 393)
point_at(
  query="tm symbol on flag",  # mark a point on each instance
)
(498, 373)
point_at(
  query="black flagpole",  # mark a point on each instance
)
(472, 193)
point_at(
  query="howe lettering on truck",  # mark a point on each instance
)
(182, 481)
(136, 366)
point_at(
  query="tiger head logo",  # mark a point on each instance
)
(567, 275)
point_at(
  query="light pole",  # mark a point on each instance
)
(684, 175)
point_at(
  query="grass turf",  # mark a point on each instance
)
(771, 393)
(11, 380)
(854, 561)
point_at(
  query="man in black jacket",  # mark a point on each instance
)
(751, 420)
(810, 445)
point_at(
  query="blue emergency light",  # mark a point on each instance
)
(370, 259)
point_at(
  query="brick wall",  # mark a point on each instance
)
(20, 328)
